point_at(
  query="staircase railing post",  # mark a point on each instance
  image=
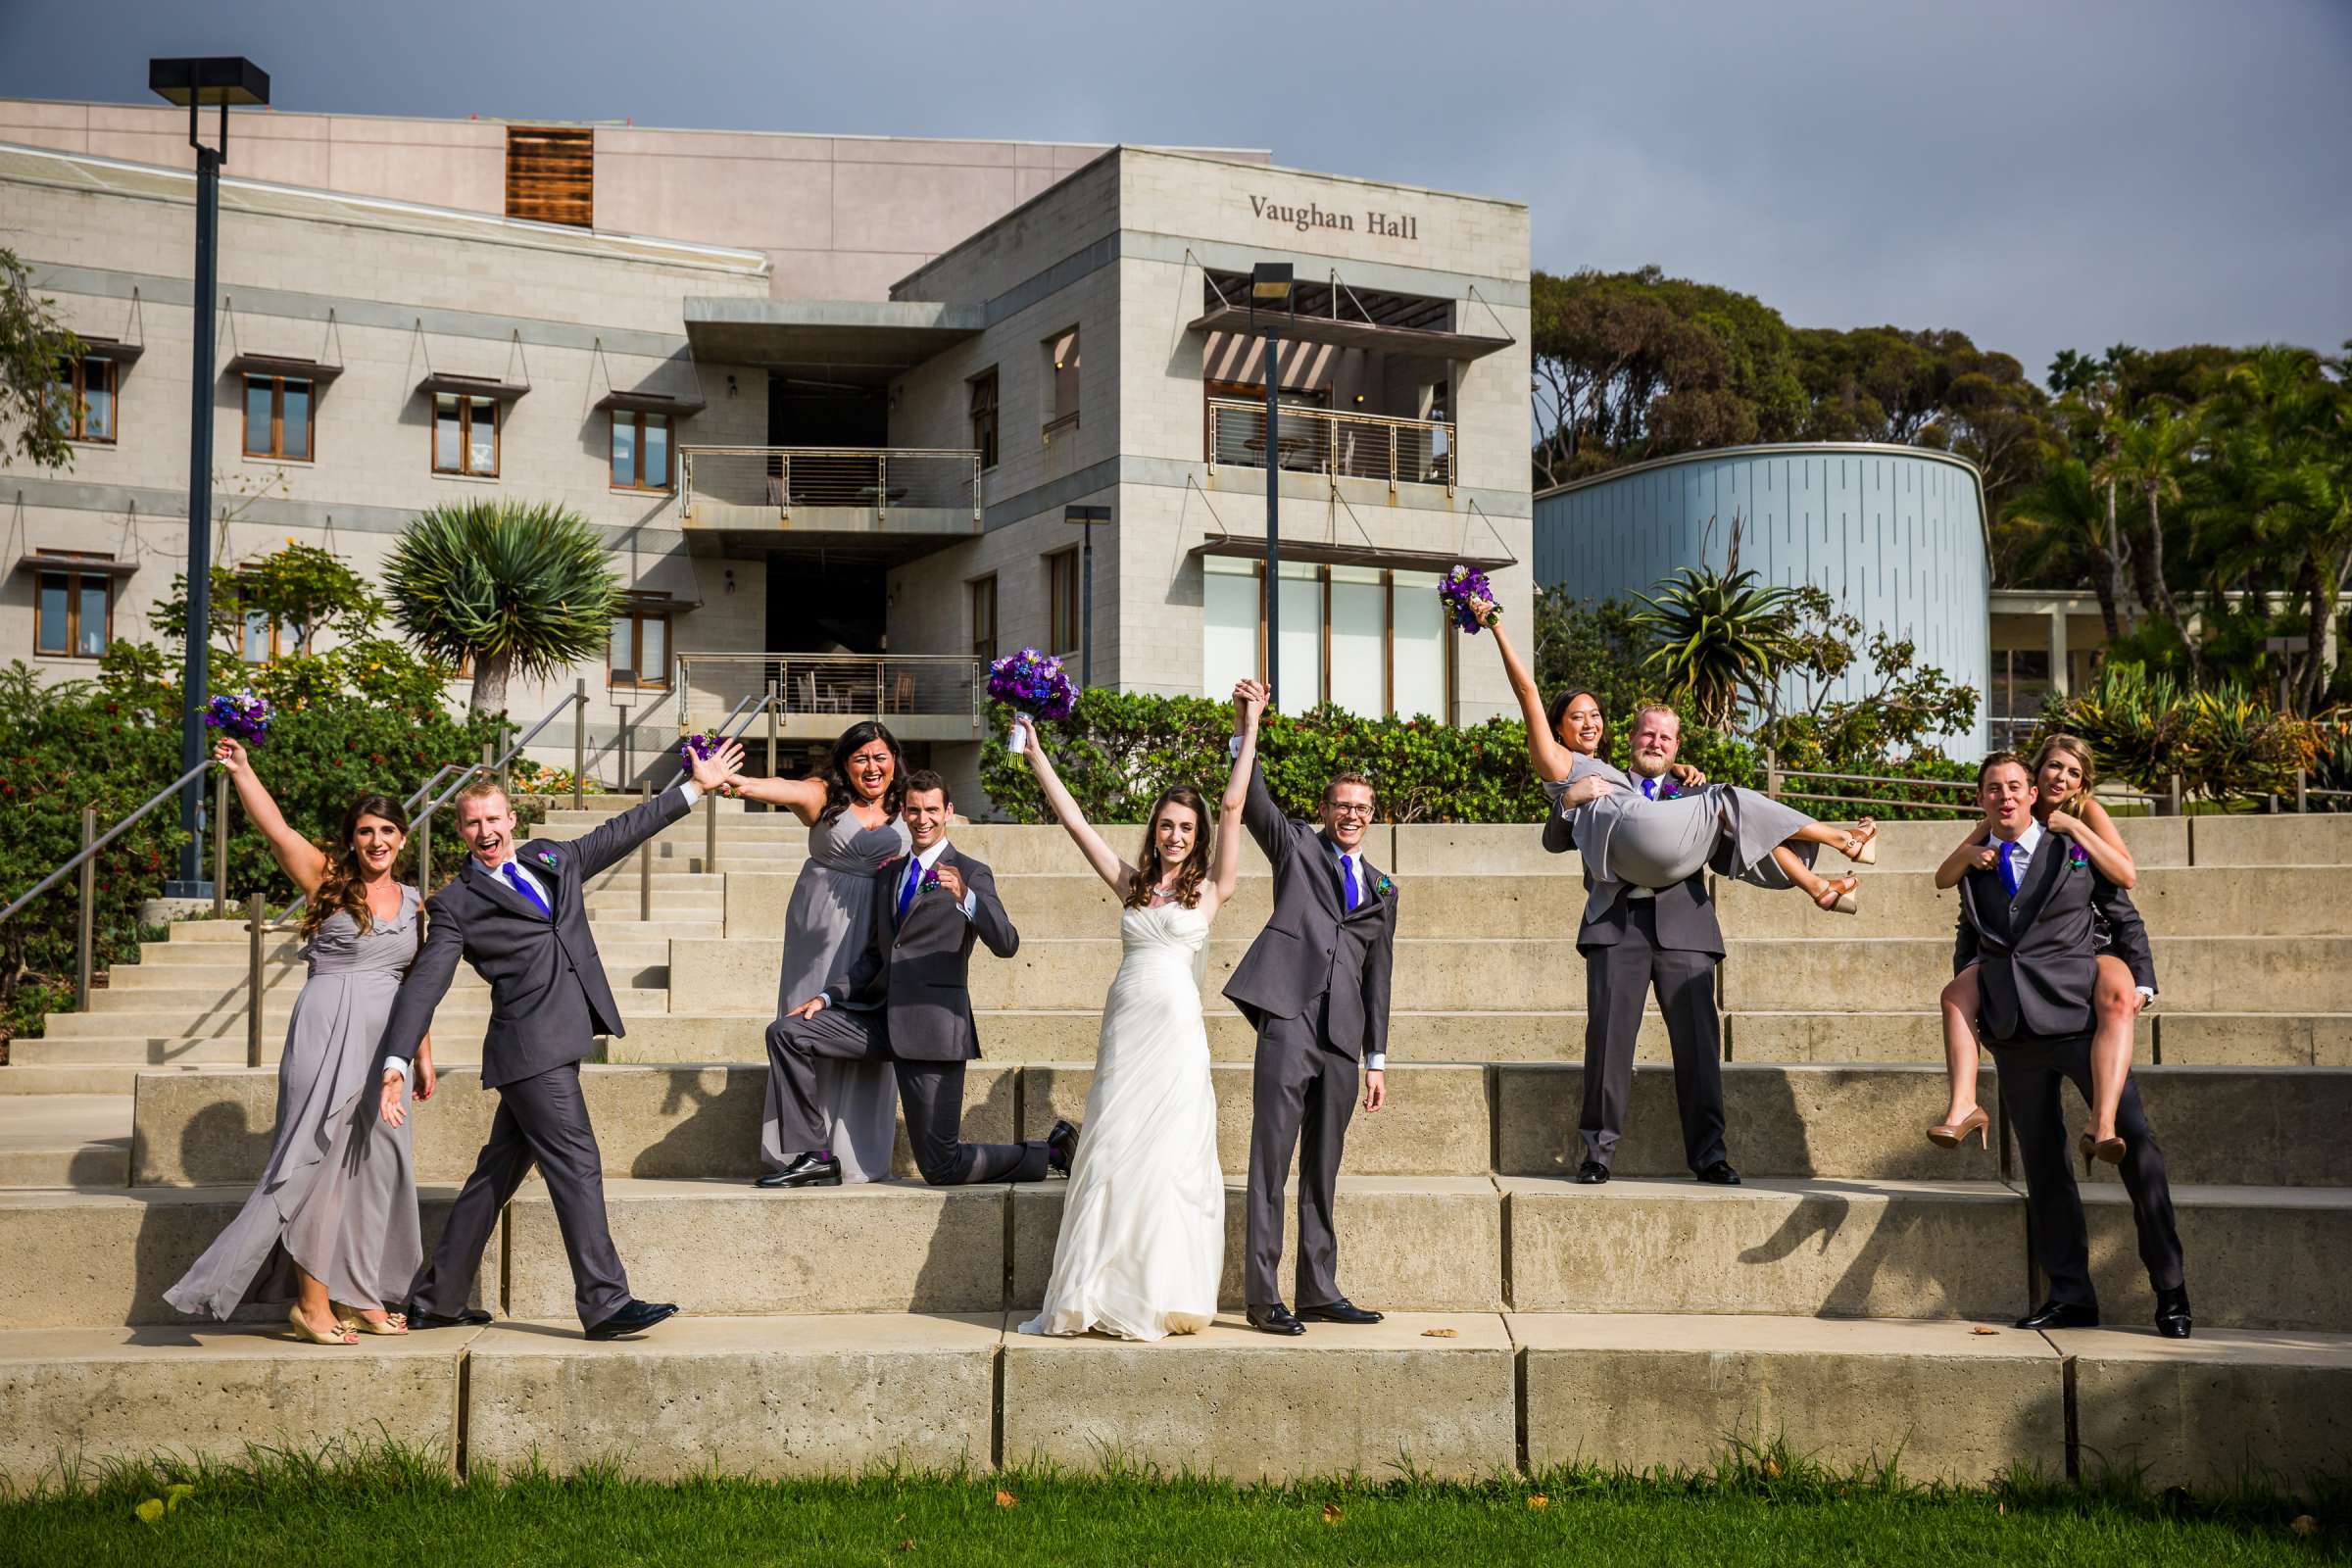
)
(424, 852)
(580, 744)
(256, 915)
(645, 866)
(220, 845)
(85, 925)
(711, 832)
(775, 704)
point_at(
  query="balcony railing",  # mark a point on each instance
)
(780, 479)
(845, 686)
(1339, 446)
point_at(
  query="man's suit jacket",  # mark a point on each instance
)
(1313, 944)
(2037, 955)
(920, 970)
(1685, 911)
(549, 999)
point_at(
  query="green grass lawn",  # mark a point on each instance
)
(397, 1510)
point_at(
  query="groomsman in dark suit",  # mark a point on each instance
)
(2028, 923)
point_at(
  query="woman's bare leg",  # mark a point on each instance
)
(2111, 1041)
(310, 1294)
(1814, 885)
(1845, 841)
(1960, 1049)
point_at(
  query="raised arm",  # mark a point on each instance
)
(1107, 866)
(2103, 845)
(606, 844)
(1544, 753)
(1225, 868)
(804, 797)
(295, 854)
(1973, 853)
(1260, 814)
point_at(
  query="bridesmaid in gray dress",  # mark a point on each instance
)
(332, 1227)
(852, 810)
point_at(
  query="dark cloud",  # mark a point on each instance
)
(2038, 175)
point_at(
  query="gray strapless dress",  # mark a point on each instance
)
(825, 928)
(339, 1195)
(1627, 836)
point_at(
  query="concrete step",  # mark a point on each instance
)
(623, 945)
(80, 1259)
(64, 1141)
(2174, 902)
(464, 1013)
(2209, 1411)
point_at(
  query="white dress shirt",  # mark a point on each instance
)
(509, 868)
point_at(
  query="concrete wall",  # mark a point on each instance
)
(1895, 535)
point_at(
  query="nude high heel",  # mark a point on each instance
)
(341, 1336)
(1867, 853)
(1841, 896)
(2110, 1149)
(1952, 1134)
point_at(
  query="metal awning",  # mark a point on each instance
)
(275, 365)
(649, 403)
(115, 348)
(861, 341)
(1340, 333)
(472, 386)
(1246, 547)
(87, 566)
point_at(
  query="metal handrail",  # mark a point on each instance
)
(1386, 461)
(856, 478)
(108, 837)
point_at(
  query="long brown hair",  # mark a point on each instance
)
(2075, 747)
(857, 738)
(1149, 870)
(344, 889)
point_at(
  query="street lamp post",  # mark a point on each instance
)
(222, 81)
(1086, 517)
(1270, 286)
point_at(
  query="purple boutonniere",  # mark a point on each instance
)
(2077, 858)
(547, 857)
(930, 883)
(1383, 888)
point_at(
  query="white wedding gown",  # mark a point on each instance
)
(1142, 1245)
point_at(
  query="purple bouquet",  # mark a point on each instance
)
(698, 747)
(240, 715)
(1457, 589)
(1033, 683)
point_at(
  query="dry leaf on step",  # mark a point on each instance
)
(1440, 1334)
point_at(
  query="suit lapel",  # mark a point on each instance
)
(2042, 880)
(1367, 884)
(1989, 915)
(495, 887)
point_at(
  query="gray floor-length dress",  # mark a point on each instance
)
(339, 1195)
(824, 927)
(1627, 836)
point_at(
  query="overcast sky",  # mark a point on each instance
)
(2038, 174)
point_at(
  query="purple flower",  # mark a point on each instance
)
(697, 748)
(2076, 855)
(1457, 588)
(240, 715)
(1033, 682)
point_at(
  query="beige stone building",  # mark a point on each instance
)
(829, 400)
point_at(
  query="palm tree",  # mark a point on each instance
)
(2149, 454)
(2072, 534)
(1722, 636)
(507, 585)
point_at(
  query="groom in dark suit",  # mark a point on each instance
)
(519, 916)
(915, 974)
(1315, 987)
(2027, 922)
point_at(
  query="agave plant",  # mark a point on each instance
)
(1723, 636)
(509, 585)
(2221, 742)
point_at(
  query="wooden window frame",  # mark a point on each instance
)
(1057, 419)
(669, 452)
(75, 581)
(975, 591)
(1056, 601)
(276, 450)
(466, 403)
(987, 417)
(637, 614)
(76, 372)
(1388, 641)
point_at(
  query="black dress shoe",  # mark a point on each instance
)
(2061, 1316)
(1275, 1319)
(634, 1317)
(1062, 1147)
(472, 1317)
(1720, 1174)
(1342, 1310)
(2171, 1312)
(806, 1170)
(1592, 1173)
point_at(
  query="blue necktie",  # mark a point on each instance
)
(2008, 868)
(1348, 880)
(1649, 788)
(515, 880)
(914, 879)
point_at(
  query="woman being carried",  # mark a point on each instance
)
(2063, 775)
(1142, 1244)
(1657, 830)
(332, 1226)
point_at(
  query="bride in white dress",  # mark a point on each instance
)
(1142, 1245)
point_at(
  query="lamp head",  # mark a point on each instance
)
(1270, 284)
(208, 80)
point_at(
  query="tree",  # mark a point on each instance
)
(1902, 706)
(2149, 456)
(33, 343)
(509, 585)
(1723, 637)
(301, 587)
(2069, 531)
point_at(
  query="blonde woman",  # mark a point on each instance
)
(2063, 776)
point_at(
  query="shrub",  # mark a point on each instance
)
(2222, 742)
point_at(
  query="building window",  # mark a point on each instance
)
(1061, 377)
(77, 614)
(551, 174)
(465, 435)
(1366, 639)
(279, 417)
(984, 416)
(984, 616)
(81, 399)
(638, 652)
(641, 451)
(1062, 602)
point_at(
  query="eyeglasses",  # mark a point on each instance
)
(1342, 808)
